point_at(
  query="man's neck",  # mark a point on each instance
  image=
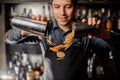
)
(65, 28)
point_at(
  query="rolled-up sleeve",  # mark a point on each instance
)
(100, 46)
(14, 34)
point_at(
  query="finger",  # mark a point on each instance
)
(89, 21)
(38, 17)
(94, 21)
(98, 22)
(90, 36)
(48, 19)
(43, 18)
(84, 20)
(40, 37)
(33, 17)
(24, 33)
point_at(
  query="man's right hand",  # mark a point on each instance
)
(38, 18)
(24, 33)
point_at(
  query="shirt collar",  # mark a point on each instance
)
(55, 25)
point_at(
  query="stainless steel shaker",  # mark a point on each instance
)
(83, 29)
(30, 25)
(40, 27)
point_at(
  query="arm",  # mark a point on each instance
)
(100, 46)
(16, 35)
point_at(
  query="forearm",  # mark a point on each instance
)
(100, 46)
(14, 34)
(100, 43)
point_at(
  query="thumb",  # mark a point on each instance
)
(84, 20)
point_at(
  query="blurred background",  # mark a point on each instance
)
(17, 59)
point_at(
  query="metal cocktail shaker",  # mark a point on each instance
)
(30, 25)
(83, 29)
(40, 28)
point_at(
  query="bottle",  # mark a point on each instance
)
(44, 14)
(37, 71)
(29, 15)
(12, 12)
(109, 22)
(102, 17)
(96, 14)
(30, 74)
(118, 20)
(11, 68)
(49, 12)
(77, 16)
(17, 71)
(108, 25)
(24, 13)
(83, 13)
(91, 66)
(90, 13)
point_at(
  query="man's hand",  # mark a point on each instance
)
(38, 18)
(24, 33)
(91, 22)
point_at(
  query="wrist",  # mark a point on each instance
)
(24, 33)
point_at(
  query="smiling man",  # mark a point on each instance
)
(65, 56)
(63, 11)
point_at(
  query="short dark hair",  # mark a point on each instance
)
(73, 1)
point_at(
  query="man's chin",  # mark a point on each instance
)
(63, 23)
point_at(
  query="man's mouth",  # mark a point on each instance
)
(62, 19)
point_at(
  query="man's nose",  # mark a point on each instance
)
(62, 11)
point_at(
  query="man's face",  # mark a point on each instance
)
(63, 11)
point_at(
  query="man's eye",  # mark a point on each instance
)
(68, 6)
(56, 6)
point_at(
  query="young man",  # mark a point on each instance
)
(65, 56)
